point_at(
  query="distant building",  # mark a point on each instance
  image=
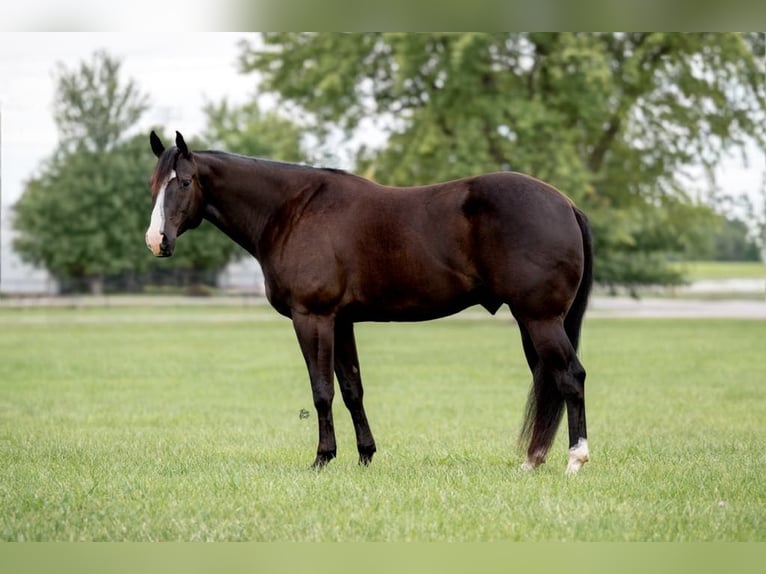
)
(17, 277)
(242, 276)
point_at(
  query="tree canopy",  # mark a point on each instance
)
(83, 216)
(248, 130)
(615, 120)
(94, 106)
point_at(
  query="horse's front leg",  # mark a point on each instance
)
(316, 335)
(350, 381)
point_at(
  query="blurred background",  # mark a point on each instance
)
(659, 137)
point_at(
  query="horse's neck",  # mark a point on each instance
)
(241, 198)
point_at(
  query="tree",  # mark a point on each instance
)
(250, 131)
(733, 242)
(732, 239)
(93, 107)
(83, 217)
(611, 119)
(72, 217)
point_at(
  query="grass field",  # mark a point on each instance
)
(183, 424)
(697, 270)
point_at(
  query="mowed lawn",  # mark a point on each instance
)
(184, 424)
(696, 270)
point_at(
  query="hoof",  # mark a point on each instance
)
(573, 468)
(534, 460)
(322, 459)
(365, 455)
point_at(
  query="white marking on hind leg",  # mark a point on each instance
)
(578, 456)
(534, 460)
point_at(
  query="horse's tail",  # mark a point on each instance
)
(573, 320)
(545, 404)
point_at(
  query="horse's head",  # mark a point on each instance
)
(177, 201)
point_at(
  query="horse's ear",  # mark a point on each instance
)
(156, 144)
(181, 145)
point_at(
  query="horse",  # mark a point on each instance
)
(337, 249)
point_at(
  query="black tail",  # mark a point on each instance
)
(573, 320)
(545, 404)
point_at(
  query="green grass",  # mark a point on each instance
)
(697, 270)
(183, 424)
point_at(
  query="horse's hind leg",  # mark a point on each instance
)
(559, 379)
(350, 382)
(543, 411)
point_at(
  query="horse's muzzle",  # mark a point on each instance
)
(159, 246)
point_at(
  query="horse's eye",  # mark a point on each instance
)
(185, 183)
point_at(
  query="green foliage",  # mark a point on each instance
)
(118, 425)
(93, 107)
(249, 131)
(740, 234)
(83, 217)
(611, 119)
(732, 242)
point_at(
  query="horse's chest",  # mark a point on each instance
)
(309, 282)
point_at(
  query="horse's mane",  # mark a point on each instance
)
(275, 163)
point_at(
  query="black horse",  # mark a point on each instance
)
(337, 249)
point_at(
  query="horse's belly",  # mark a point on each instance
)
(418, 301)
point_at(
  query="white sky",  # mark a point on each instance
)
(99, 15)
(180, 72)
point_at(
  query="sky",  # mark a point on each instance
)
(180, 72)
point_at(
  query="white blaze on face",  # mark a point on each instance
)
(157, 222)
